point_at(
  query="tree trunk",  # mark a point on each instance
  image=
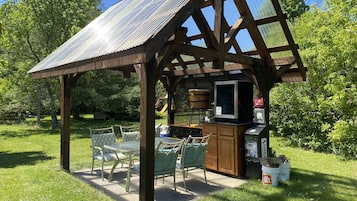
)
(38, 113)
(53, 107)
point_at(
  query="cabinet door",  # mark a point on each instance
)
(226, 155)
(211, 155)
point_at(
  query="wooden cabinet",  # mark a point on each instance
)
(211, 155)
(225, 151)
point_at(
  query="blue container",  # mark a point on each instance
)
(165, 135)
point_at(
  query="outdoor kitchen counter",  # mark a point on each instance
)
(184, 130)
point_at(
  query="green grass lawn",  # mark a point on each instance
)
(314, 176)
(30, 169)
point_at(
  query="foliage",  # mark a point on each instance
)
(182, 100)
(108, 92)
(30, 30)
(322, 111)
(341, 133)
(294, 8)
(301, 121)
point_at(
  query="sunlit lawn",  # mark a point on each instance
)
(314, 176)
(30, 169)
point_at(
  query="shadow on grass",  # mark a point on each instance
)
(13, 159)
(303, 185)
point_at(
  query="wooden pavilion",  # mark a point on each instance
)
(176, 41)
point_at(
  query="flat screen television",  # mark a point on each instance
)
(226, 99)
(233, 101)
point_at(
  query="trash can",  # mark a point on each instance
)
(165, 131)
(256, 146)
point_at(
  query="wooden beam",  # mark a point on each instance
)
(156, 43)
(205, 29)
(270, 19)
(274, 49)
(265, 76)
(116, 60)
(241, 59)
(218, 32)
(285, 61)
(65, 122)
(253, 30)
(197, 51)
(168, 52)
(232, 33)
(206, 3)
(209, 69)
(289, 37)
(147, 73)
(233, 42)
(200, 52)
(67, 82)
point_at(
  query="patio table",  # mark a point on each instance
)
(131, 148)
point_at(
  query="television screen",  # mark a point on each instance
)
(225, 100)
(226, 96)
(233, 101)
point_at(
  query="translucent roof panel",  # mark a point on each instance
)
(261, 9)
(245, 42)
(125, 25)
(231, 12)
(273, 34)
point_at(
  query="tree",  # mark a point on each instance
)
(294, 8)
(109, 92)
(31, 29)
(328, 45)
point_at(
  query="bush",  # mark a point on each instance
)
(344, 139)
(295, 116)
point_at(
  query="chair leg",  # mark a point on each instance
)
(184, 181)
(204, 172)
(92, 166)
(175, 181)
(102, 171)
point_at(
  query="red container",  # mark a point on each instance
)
(259, 102)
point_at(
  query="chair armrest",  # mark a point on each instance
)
(96, 147)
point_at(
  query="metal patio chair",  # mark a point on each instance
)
(165, 160)
(101, 137)
(193, 156)
(130, 133)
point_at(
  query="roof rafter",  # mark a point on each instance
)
(253, 30)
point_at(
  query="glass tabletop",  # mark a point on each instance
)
(134, 146)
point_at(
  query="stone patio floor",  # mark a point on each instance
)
(196, 186)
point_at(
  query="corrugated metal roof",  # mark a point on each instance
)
(125, 25)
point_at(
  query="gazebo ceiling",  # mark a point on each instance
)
(188, 38)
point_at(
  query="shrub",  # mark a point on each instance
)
(344, 139)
